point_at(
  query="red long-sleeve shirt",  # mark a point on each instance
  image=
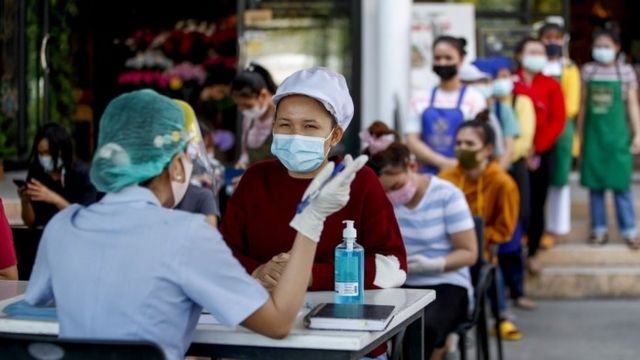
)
(7, 252)
(256, 221)
(548, 100)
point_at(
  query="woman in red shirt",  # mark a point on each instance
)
(548, 101)
(8, 269)
(313, 109)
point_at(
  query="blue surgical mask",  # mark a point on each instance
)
(299, 153)
(603, 55)
(484, 89)
(534, 63)
(502, 87)
(46, 161)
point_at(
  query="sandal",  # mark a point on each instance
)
(508, 331)
(547, 242)
(633, 243)
(598, 240)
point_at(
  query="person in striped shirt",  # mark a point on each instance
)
(438, 233)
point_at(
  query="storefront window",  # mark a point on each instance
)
(285, 36)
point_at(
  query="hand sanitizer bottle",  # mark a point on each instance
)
(349, 268)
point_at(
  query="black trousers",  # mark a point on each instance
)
(444, 315)
(540, 179)
(512, 266)
(520, 174)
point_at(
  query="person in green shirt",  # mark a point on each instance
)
(609, 123)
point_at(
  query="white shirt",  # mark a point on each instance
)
(126, 268)
(472, 103)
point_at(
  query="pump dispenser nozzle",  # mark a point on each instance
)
(349, 234)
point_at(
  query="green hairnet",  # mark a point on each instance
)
(140, 132)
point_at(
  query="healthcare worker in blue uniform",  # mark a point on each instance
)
(434, 116)
(131, 268)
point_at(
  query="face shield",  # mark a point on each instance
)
(203, 173)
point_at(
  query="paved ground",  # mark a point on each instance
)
(580, 330)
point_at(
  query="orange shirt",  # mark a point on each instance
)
(494, 197)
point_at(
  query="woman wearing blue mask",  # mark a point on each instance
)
(140, 270)
(501, 104)
(313, 109)
(610, 127)
(54, 179)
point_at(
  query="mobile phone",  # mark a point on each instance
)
(19, 183)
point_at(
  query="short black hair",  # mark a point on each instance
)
(397, 155)
(550, 27)
(459, 43)
(482, 127)
(613, 35)
(523, 43)
(252, 80)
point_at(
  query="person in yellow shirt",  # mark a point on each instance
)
(558, 217)
(492, 195)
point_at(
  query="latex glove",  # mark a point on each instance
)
(388, 272)
(333, 197)
(420, 264)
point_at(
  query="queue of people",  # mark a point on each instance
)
(493, 140)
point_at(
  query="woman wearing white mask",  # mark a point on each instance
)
(54, 179)
(252, 91)
(548, 101)
(610, 126)
(142, 271)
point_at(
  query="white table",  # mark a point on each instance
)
(302, 343)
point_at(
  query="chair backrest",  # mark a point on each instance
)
(26, 241)
(475, 268)
(14, 346)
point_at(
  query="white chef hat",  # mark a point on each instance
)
(324, 85)
(470, 72)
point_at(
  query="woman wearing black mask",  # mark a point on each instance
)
(436, 115)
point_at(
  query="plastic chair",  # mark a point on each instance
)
(483, 276)
(13, 346)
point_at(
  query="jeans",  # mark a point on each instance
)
(503, 307)
(625, 213)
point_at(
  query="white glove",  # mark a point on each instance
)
(388, 272)
(420, 264)
(332, 197)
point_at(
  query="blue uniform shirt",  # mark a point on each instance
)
(126, 268)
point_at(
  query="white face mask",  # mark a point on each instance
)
(255, 112)
(485, 89)
(46, 161)
(179, 189)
